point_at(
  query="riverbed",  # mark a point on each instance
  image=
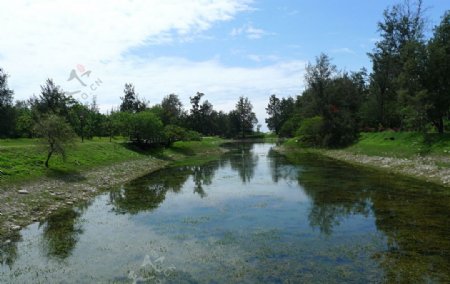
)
(250, 216)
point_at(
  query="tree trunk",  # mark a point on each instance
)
(440, 125)
(48, 158)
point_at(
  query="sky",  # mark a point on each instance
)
(223, 48)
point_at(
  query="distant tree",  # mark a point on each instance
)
(52, 100)
(172, 109)
(24, 120)
(131, 101)
(438, 74)
(57, 135)
(195, 116)
(281, 116)
(247, 118)
(146, 125)
(6, 107)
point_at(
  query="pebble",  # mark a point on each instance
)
(15, 227)
(69, 202)
(23, 191)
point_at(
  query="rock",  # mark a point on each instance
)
(15, 227)
(69, 202)
(7, 242)
(23, 191)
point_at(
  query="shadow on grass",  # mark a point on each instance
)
(183, 151)
(147, 150)
(65, 175)
(431, 140)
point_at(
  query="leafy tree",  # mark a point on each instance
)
(247, 118)
(6, 106)
(438, 74)
(146, 125)
(57, 135)
(172, 109)
(24, 120)
(131, 101)
(195, 114)
(396, 59)
(52, 100)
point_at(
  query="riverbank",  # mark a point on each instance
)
(408, 154)
(29, 200)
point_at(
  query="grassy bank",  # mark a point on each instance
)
(425, 157)
(29, 192)
(23, 159)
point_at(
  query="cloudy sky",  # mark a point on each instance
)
(223, 48)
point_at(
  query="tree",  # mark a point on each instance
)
(131, 101)
(172, 109)
(52, 100)
(279, 111)
(438, 74)
(6, 106)
(396, 59)
(195, 115)
(57, 135)
(146, 125)
(247, 118)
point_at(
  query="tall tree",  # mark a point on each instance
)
(131, 101)
(395, 81)
(6, 106)
(438, 74)
(247, 118)
(172, 109)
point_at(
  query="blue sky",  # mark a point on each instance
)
(224, 48)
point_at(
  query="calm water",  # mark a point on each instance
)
(251, 216)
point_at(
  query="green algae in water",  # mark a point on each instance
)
(250, 216)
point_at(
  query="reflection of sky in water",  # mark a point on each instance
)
(245, 228)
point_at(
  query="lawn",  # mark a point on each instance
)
(23, 159)
(402, 144)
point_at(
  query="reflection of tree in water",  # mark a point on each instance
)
(203, 175)
(61, 231)
(244, 161)
(412, 215)
(280, 168)
(147, 193)
(8, 250)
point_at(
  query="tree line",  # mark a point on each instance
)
(408, 88)
(133, 118)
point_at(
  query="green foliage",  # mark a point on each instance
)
(145, 125)
(6, 107)
(131, 101)
(246, 117)
(310, 131)
(177, 133)
(279, 112)
(57, 135)
(172, 110)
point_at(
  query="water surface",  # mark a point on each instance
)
(251, 216)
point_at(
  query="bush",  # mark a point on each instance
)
(311, 131)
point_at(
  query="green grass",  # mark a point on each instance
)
(393, 144)
(402, 144)
(23, 159)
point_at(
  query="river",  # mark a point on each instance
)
(251, 216)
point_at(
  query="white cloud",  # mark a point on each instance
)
(343, 50)
(46, 39)
(249, 31)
